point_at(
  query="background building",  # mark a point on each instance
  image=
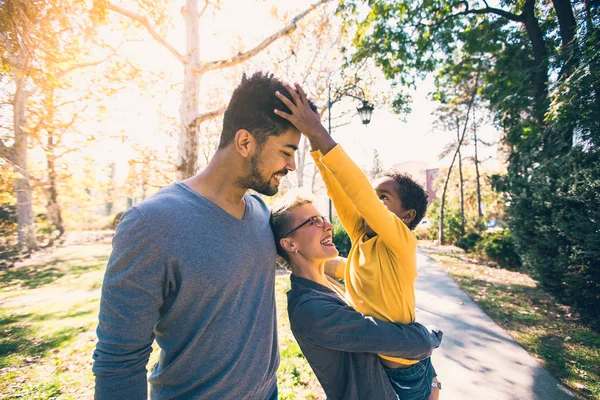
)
(420, 173)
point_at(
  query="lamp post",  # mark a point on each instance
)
(365, 111)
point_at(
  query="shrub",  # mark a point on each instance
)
(554, 215)
(469, 241)
(499, 247)
(44, 227)
(8, 219)
(8, 230)
(116, 220)
(453, 231)
(341, 238)
(430, 233)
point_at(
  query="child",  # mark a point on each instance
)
(381, 268)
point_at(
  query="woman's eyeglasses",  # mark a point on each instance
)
(318, 220)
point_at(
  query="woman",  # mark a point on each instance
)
(339, 343)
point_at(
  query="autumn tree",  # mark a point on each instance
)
(43, 44)
(153, 18)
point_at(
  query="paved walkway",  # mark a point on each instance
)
(477, 359)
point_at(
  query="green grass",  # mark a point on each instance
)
(550, 331)
(31, 277)
(47, 329)
(295, 379)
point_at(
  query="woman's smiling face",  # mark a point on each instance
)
(312, 242)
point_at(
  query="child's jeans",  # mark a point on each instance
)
(413, 383)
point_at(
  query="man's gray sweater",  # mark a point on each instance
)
(199, 281)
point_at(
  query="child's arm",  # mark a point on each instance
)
(305, 119)
(348, 175)
(357, 187)
(335, 268)
(349, 217)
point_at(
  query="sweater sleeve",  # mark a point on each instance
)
(356, 186)
(335, 268)
(340, 327)
(132, 294)
(349, 216)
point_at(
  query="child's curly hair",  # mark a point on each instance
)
(412, 195)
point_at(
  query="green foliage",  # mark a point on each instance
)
(541, 80)
(8, 230)
(453, 232)
(44, 227)
(468, 242)
(554, 217)
(429, 233)
(341, 238)
(452, 225)
(8, 219)
(499, 247)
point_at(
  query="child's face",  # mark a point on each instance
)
(387, 190)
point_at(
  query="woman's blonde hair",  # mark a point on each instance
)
(281, 217)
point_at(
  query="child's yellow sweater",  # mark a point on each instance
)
(381, 271)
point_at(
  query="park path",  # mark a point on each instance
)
(478, 359)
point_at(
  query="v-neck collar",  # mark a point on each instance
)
(215, 205)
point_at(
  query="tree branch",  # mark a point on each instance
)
(486, 10)
(492, 10)
(74, 67)
(201, 13)
(146, 23)
(209, 115)
(241, 57)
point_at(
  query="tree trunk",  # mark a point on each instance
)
(110, 190)
(441, 237)
(25, 217)
(52, 207)
(301, 162)
(477, 182)
(571, 57)
(540, 55)
(190, 131)
(461, 180)
(594, 63)
(460, 141)
(314, 180)
(568, 30)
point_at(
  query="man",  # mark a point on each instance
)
(194, 268)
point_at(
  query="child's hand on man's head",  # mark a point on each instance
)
(302, 116)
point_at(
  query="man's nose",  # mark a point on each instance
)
(291, 165)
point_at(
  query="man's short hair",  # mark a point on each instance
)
(412, 195)
(281, 218)
(252, 108)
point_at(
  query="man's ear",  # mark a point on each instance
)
(244, 141)
(409, 216)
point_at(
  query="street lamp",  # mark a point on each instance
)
(365, 111)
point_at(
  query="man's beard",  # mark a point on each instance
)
(255, 181)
